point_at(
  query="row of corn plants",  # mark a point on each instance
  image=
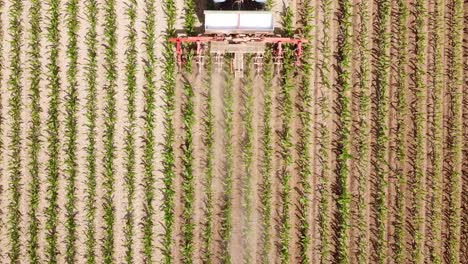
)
(305, 159)
(34, 133)
(325, 135)
(248, 158)
(401, 131)
(110, 65)
(71, 130)
(456, 149)
(149, 138)
(286, 144)
(169, 132)
(267, 162)
(382, 148)
(91, 10)
(363, 136)
(420, 132)
(14, 112)
(190, 17)
(226, 207)
(438, 140)
(344, 157)
(53, 139)
(267, 151)
(188, 188)
(188, 119)
(208, 140)
(130, 160)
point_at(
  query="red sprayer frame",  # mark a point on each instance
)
(278, 41)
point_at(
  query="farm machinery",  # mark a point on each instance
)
(247, 30)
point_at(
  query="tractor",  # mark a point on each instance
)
(237, 27)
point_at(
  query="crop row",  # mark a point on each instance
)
(91, 109)
(456, 149)
(401, 131)
(149, 130)
(110, 65)
(438, 141)
(363, 137)
(267, 151)
(305, 159)
(226, 209)
(286, 144)
(208, 140)
(34, 133)
(325, 137)
(14, 112)
(169, 132)
(267, 162)
(420, 121)
(188, 119)
(53, 124)
(248, 158)
(381, 167)
(71, 107)
(130, 160)
(188, 225)
(344, 79)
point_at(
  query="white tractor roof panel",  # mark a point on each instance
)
(262, 21)
(238, 22)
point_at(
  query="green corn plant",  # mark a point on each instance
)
(14, 112)
(149, 139)
(456, 150)
(34, 133)
(267, 162)
(420, 131)
(71, 106)
(325, 137)
(344, 157)
(438, 141)
(401, 131)
(130, 159)
(363, 137)
(53, 139)
(248, 158)
(91, 43)
(208, 139)
(305, 159)
(381, 167)
(226, 208)
(169, 131)
(110, 64)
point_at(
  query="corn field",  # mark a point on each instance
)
(112, 153)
